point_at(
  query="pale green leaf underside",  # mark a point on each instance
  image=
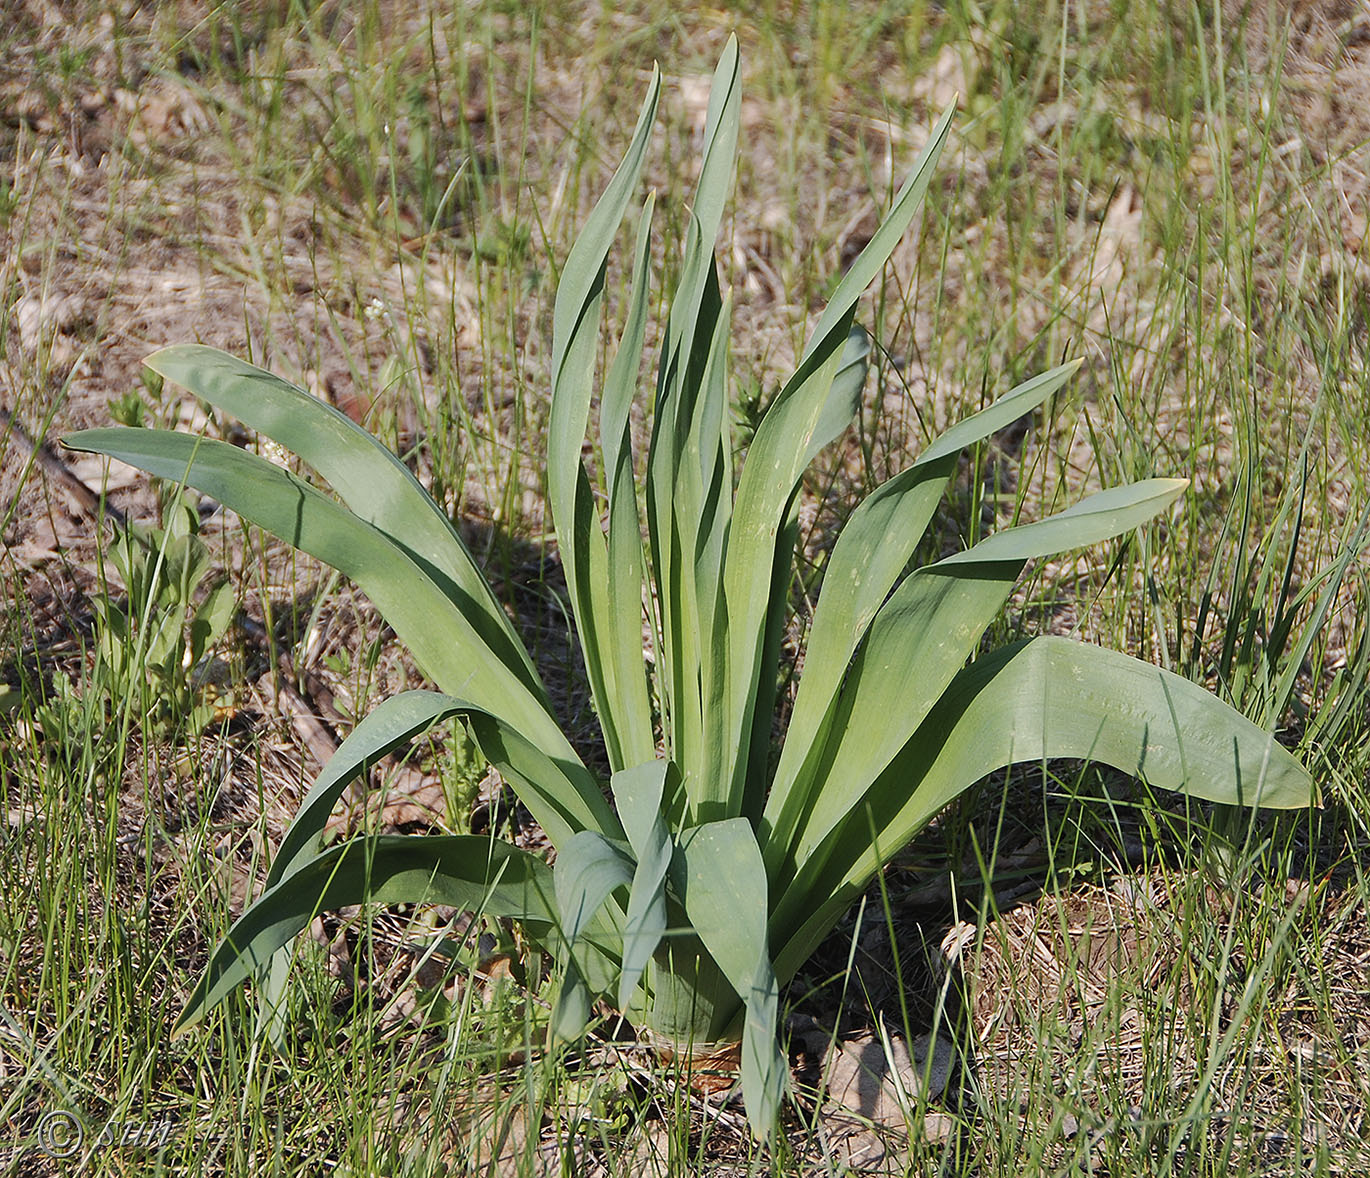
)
(588, 869)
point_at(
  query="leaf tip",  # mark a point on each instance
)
(185, 1021)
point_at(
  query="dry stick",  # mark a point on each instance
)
(60, 472)
(307, 725)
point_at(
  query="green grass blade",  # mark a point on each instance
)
(575, 336)
(721, 881)
(440, 635)
(466, 871)
(372, 481)
(1043, 698)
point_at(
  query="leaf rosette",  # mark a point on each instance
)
(694, 897)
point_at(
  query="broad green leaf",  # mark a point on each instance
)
(878, 541)
(645, 923)
(695, 521)
(721, 881)
(441, 637)
(394, 722)
(703, 513)
(632, 703)
(213, 617)
(372, 481)
(871, 260)
(767, 487)
(1043, 698)
(466, 871)
(756, 562)
(683, 406)
(639, 794)
(1020, 399)
(922, 637)
(1091, 521)
(872, 550)
(587, 871)
(572, 1005)
(575, 336)
(844, 397)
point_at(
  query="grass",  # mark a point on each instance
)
(374, 199)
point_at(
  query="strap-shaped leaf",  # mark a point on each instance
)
(1020, 399)
(1043, 698)
(465, 871)
(872, 551)
(441, 637)
(575, 335)
(721, 882)
(689, 457)
(922, 637)
(1091, 521)
(701, 518)
(572, 1005)
(871, 260)
(844, 397)
(633, 707)
(769, 479)
(640, 793)
(371, 480)
(587, 871)
(394, 722)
